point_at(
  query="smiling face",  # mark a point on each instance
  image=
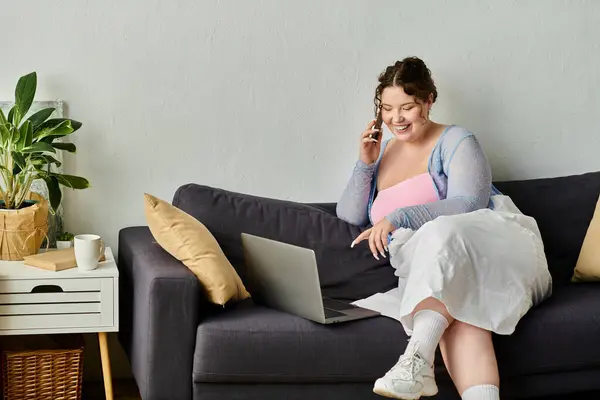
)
(404, 115)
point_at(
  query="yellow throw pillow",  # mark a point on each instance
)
(189, 241)
(588, 264)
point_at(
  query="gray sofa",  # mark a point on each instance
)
(180, 347)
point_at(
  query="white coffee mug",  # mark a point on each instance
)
(88, 251)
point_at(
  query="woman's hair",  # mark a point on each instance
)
(412, 75)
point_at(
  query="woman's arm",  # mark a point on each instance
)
(469, 187)
(352, 206)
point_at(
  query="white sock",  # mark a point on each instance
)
(481, 392)
(428, 328)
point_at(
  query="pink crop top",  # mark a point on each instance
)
(414, 191)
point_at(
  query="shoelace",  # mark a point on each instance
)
(409, 363)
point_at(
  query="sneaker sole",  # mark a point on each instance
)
(405, 396)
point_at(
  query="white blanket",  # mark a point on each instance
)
(488, 267)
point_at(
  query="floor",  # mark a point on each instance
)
(123, 390)
(127, 390)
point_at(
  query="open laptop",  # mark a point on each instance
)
(285, 277)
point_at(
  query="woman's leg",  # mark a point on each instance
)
(430, 321)
(413, 376)
(470, 359)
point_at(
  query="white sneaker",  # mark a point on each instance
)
(411, 378)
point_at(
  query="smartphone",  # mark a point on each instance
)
(377, 125)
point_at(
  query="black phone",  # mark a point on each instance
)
(377, 125)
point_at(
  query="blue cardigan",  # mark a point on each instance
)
(460, 172)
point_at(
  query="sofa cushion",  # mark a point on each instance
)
(188, 240)
(251, 343)
(344, 273)
(561, 334)
(563, 208)
(588, 263)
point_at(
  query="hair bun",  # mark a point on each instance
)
(414, 69)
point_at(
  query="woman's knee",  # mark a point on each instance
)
(445, 228)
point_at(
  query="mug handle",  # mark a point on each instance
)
(102, 248)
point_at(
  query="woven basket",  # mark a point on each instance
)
(52, 370)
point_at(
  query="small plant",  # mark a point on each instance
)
(27, 147)
(65, 237)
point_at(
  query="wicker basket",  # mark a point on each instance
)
(38, 369)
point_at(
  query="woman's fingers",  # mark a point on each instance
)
(361, 237)
(384, 240)
(378, 243)
(372, 245)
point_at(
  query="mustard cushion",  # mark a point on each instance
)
(588, 264)
(189, 241)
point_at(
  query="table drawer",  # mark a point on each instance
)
(56, 303)
(50, 285)
(14, 322)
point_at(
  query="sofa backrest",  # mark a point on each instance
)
(563, 208)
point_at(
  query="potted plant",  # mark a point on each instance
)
(28, 145)
(64, 240)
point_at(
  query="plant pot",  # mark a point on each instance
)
(23, 231)
(64, 244)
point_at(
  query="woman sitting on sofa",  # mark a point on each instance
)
(429, 170)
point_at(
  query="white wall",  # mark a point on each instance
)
(268, 97)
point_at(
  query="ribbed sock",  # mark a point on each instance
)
(428, 328)
(482, 392)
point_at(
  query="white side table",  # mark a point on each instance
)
(35, 301)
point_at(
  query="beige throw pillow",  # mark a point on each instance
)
(588, 264)
(189, 241)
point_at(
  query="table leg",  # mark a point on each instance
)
(108, 389)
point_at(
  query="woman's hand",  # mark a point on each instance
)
(378, 237)
(370, 147)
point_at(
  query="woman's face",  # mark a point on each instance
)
(402, 114)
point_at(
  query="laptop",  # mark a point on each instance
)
(285, 277)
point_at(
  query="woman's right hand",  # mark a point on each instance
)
(370, 147)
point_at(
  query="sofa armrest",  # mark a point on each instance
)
(161, 304)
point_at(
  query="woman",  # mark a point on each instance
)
(426, 171)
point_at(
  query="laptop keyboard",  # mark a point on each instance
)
(336, 305)
(333, 314)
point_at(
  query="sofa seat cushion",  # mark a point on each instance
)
(559, 335)
(251, 343)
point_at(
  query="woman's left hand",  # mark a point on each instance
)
(378, 237)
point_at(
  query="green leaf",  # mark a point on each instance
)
(70, 147)
(3, 120)
(26, 135)
(44, 159)
(39, 117)
(24, 93)
(39, 147)
(15, 134)
(5, 134)
(56, 127)
(19, 160)
(11, 114)
(74, 182)
(51, 123)
(54, 191)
